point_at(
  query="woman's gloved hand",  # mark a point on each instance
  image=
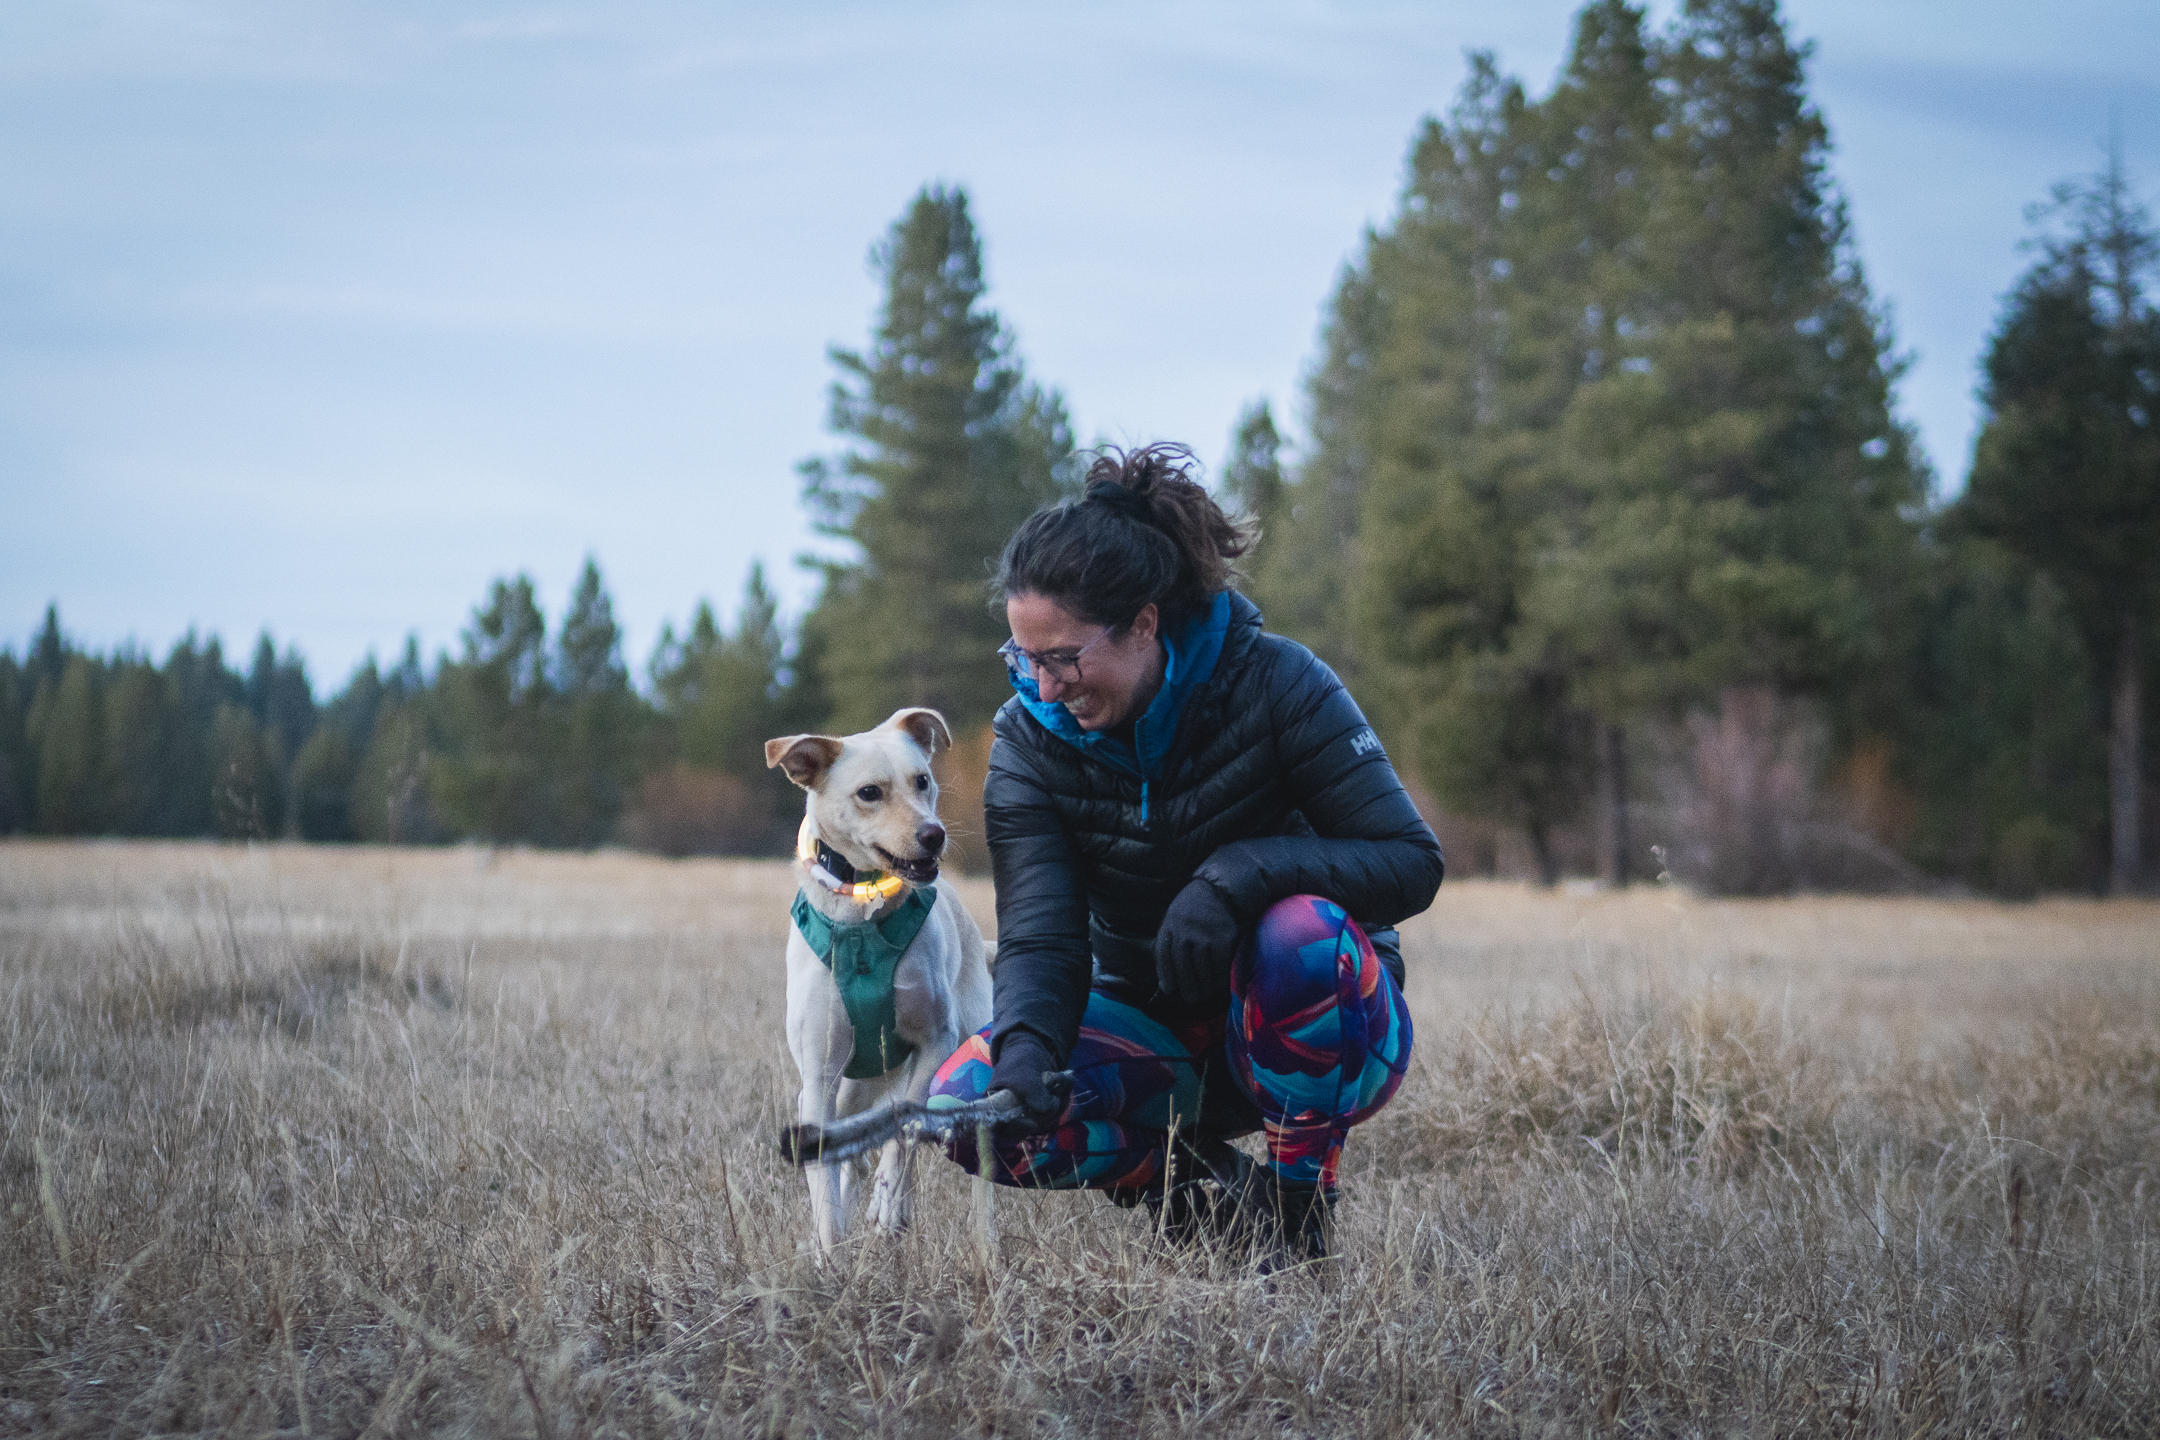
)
(1022, 1062)
(1193, 949)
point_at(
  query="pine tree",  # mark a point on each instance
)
(1252, 478)
(1299, 577)
(1439, 415)
(721, 695)
(280, 697)
(67, 728)
(322, 782)
(48, 652)
(247, 799)
(2067, 472)
(1610, 406)
(954, 447)
(197, 682)
(142, 733)
(596, 730)
(2008, 779)
(17, 775)
(491, 710)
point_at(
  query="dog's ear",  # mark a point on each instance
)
(806, 758)
(926, 728)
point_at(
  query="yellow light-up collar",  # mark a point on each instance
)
(866, 892)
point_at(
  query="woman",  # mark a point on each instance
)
(1199, 848)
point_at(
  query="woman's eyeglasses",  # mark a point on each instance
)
(1062, 666)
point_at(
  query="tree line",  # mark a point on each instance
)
(1610, 520)
(1607, 517)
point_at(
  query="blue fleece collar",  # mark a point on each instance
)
(1189, 659)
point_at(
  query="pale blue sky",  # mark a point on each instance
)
(318, 317)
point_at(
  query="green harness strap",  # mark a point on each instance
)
(862, 959)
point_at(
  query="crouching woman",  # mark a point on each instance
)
(1200, 852)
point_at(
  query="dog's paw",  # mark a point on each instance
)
(889, 1208)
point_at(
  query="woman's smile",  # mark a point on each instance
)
(1119, 674)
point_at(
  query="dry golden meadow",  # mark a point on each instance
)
(329, 1142)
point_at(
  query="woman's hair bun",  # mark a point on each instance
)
(1118, 499)
(1144, 532)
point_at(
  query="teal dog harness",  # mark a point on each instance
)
(862, 959)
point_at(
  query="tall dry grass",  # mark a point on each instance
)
(334, 1142)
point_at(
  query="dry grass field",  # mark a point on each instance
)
(329, 1142)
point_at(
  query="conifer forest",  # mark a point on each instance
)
(1607, 514)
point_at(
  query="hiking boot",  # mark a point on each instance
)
(1201, 1196)
(1291, 1223)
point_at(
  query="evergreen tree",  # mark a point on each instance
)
(280, 698)
(17, 776)
(2067, 472)
(1298, 580)
(597, 727)
(48, 652)
(491, 780)
(197, 682)
(724, 694)
(399, 745)
(327, 768)
(248, 798)
(322, 782)
(954, 447)
(1252, 479)
(391, 792)
(1441, 410)
(2007, 778)
(67, 727)
(720, 697)
(1613, 406)
(142, 735)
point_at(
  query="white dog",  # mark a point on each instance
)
(886, 975)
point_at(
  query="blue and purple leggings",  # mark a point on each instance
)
(1316, 1039)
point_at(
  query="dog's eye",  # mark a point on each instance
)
(869, 794)
(922, 782)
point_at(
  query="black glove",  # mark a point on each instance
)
(1193, 949)
(1022, 1061)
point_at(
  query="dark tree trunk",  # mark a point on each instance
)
(1619, 836)
(2126, 748)
(1548, 865)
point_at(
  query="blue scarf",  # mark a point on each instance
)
(1189, 659)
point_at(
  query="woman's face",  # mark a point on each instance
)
(1119, 674)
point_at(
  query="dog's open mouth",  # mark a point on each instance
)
(915, 872)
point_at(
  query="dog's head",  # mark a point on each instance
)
(872, 797)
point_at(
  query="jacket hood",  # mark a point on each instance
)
(1190, 658)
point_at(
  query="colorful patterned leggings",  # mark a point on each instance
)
(1316, 1036)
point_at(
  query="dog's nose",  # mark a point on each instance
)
(931, 836)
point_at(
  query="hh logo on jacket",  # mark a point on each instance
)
(1364, 742)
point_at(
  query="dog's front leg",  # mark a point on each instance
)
(820, 1042)
(892, 1193)
(828, 1183)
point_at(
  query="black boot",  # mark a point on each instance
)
(1202, 1195)
(1292, 1224)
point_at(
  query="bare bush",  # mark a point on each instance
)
(961, 772)
(1744, 811)
(686, 810)
(376, 1141)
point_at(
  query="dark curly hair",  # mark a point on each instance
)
(1143, 532)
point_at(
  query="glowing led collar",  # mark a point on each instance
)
(866, 892)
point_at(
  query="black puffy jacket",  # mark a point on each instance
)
(1272, 785)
